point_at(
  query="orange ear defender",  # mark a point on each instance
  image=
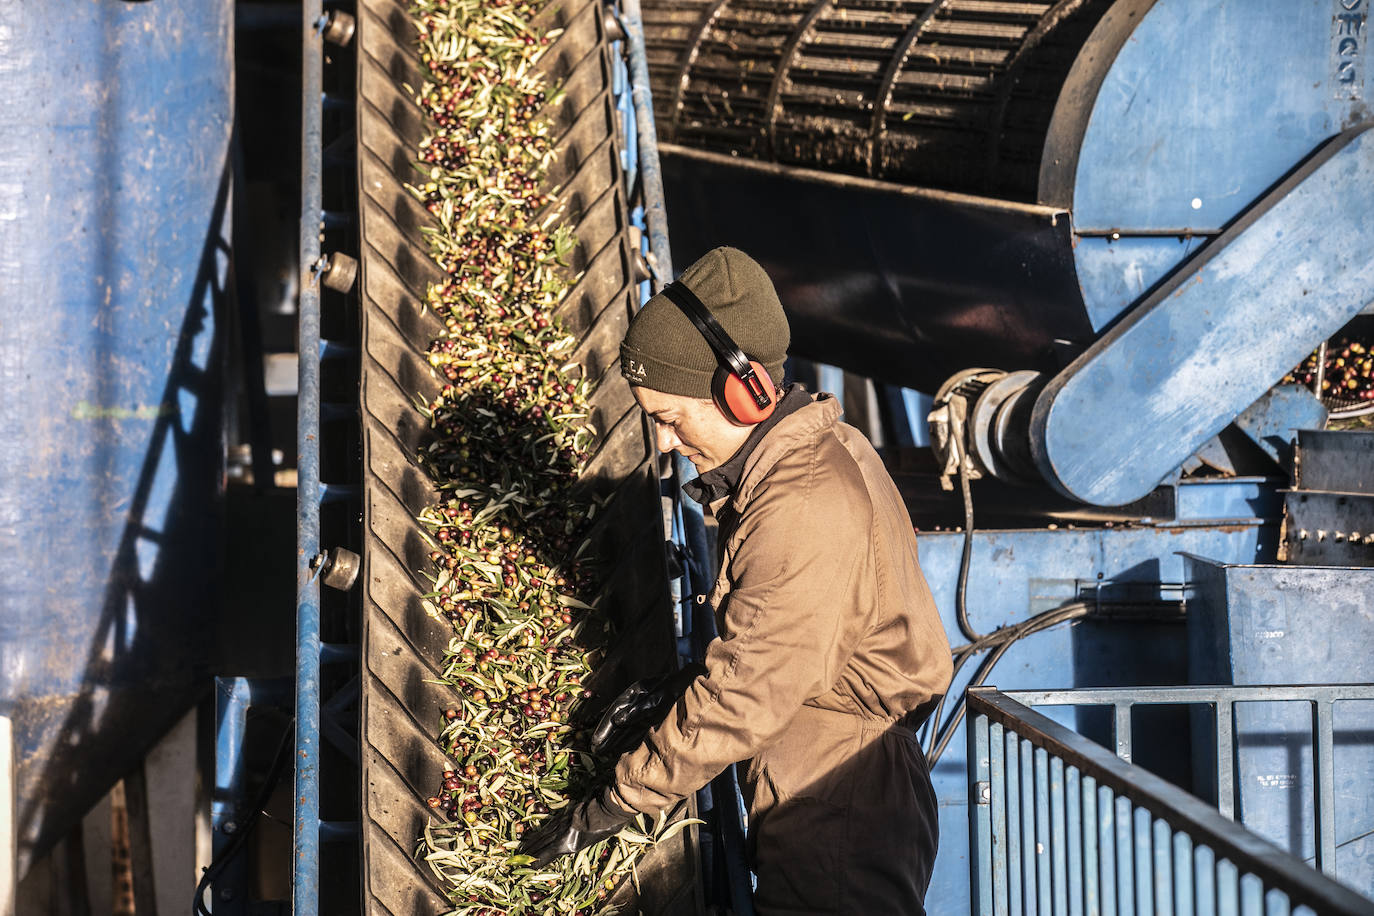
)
(741, 388)
(736, 401)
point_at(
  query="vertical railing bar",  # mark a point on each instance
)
(981, 861)
(1121, 728)
(1044, 884)
(1323, 772)
(1226, 758)
(1163, 847)
(1142, 824)
(1251, 895)
(1204, 881)
(1106, 846)
(305, 878)
(1125, 860)
(1092, 878)
(1276, 903)
(1183, 873)
(1059, 883)
(997, 804)
(1014, 819)
(1029, 810)
(1228, 888)
(1073, 812)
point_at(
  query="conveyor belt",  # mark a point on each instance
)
(402, 645)
(950, 94)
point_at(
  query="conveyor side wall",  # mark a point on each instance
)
(402, 645)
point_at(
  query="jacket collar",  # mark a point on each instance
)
(716, 484)
(793, 431)
(800, 424)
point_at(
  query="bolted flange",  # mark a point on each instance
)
(339, 27)
(341, 568)
(340, 272)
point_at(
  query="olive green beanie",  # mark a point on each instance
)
(664, 351)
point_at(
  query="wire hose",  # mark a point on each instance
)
(998, 641)
(965, 560)
(274, 773)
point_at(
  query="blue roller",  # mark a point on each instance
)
(1210, 341)
(1219, 208)
(115, 122)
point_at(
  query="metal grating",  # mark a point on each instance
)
(402, 645)
(952, 94)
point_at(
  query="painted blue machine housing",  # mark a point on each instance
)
(1208, 343)
(114, 133)
(1150, 157)
(1266, 624)
(1017, 573)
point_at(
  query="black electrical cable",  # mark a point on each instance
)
(965, 560)
(999, 642)
(226, 855)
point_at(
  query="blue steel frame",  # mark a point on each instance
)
(1062, 825)
(233, 696)
(305, 875)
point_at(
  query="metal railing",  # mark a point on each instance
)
(1060, 825)
(1222, 700)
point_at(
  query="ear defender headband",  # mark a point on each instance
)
(741, 388)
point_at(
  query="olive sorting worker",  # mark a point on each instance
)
(830, 651)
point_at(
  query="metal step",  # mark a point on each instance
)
(403, 647)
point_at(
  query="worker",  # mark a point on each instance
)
(830, 651)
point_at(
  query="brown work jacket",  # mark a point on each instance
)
(830, 648)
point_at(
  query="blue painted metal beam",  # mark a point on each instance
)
(1206, 345)
(650, 171)
(305, 876)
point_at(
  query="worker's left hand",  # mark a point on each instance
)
(575, 827)
(639, 708)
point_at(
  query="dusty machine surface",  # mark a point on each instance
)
(403, 645)
(114, 211)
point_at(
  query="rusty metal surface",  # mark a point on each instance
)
(402, 646)
(952, 94)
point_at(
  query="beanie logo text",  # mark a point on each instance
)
(634, 370)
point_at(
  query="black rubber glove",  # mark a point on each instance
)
(639, 708)
(575, 827)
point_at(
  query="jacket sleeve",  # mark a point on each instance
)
(790, 624)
